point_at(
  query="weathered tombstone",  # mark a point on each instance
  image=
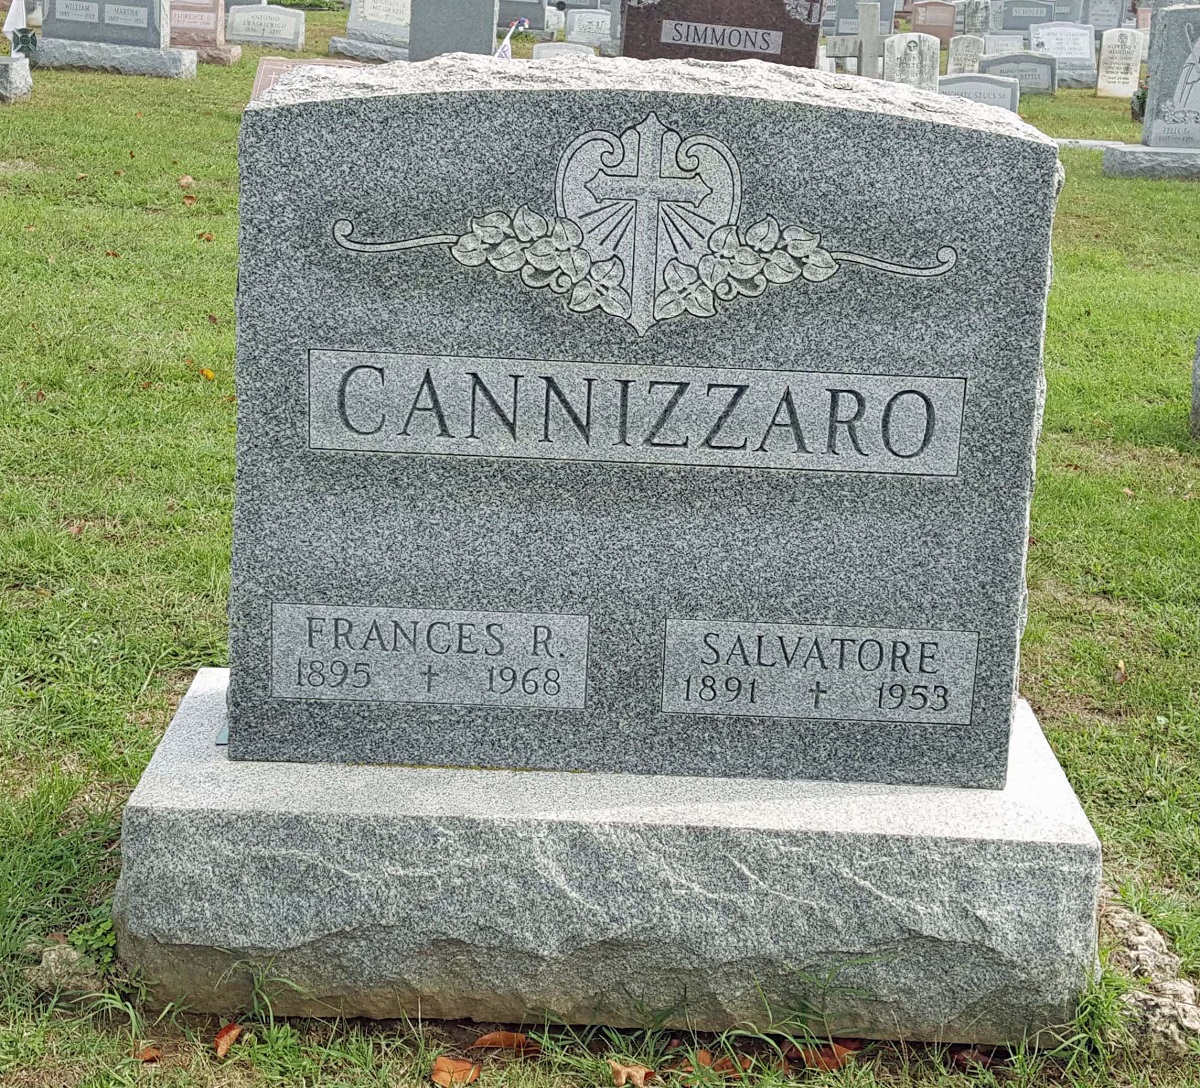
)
(200, 25)
(126, 36)
(533, 10)
(965, 52)
(1036, 72)
(1073, 45)
(1173, 100)
(1022, 14)
(1003, 43)
(549, 50)
(266, 24)
(1120, 64)
(977, 17)
(270, 69)
(847, 23)
(493, 510)
(452, 26)
(782, 31)
(914, 59)
(935, 17)
(1000, 91)
(555, 20)
(1104, 14)
(996, 16)
(16, 84)
(375, 30)
(589, 27)
(1068, 11)
(870, 41)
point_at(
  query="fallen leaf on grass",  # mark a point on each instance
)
(81, 177)
(212, 319)
(131, 154)
(75, 528)
(226, 1037)
(506, 1040)
(826, 1058)
(186, 181)
(448, 1072)
(1128, 492)
(188, 362)
(118, 173)
(207, 373)
(30, 227)
(189, 199)
(148, 1054)
(1120, 676)
(725, 1066)
(111, 253)
(40, 396)
(970, 1058)
(206, 236)
(637, 1075)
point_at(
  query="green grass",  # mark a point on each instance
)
(117, 459)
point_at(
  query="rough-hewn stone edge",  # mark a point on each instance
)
(364, 50)
(1135, 161)
(464, 72)
(221, 55)
(129, 60)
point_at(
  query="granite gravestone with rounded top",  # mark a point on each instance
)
(1120, 65)
(595, 451)
(914, 59)
(781, 31)
(1000, 91)
(1037, 73)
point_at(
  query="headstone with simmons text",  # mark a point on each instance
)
(781, 31)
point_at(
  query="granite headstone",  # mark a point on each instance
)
(782, 31)
(270, 69)
(1173, 99)
(964, 54)
(532, 10)
(130, 37)
(267, 24)
(1003, 43)
(1120, 63)
(16, 83)
(1073, 45)
(200, 25)
(1000, 91)
(452, 26)
(550, 50)
(1036, 72)
(935, 17)
(375, 30)
(977, 17)
(1022, 14)
(589, 27)
(914, 59)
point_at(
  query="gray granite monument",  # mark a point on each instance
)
(534, 11)
(1037, 73)
(1022, 14)
(130, 37)
(1000, 91)
(592, 457)
(267, 25)
(1173, 100)
(964, 54)
(452, 26)
(1073, 46)
(375, 30)
(16, 84)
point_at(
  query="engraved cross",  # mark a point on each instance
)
(429, 674)
(648, 188)
(816, 692)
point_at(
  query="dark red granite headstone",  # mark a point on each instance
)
(783, 31)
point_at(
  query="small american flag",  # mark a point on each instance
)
(505, 50)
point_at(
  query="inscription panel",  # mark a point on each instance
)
(423, 655)
(126, 15)
(715, 36)
(77, 11)
(557, 410)
(783, 670)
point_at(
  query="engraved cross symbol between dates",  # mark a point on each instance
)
(648, 188)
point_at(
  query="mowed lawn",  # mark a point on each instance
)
(117, 416)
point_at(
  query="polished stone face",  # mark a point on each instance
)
(653, 441)
(1173, 101)
(783, 31)
(114, 22)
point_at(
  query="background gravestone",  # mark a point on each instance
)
(270, 69)
(1073, 45)
(589, 27)
(130, 37)
(16, 84)
(549, 50)
(1068, 11)
(1022, 14)
(1104, 14)
(1036, 72)
(267, 24)
(533, 10)
(1003, 43)
(375, 30)
(977, 17)
(452, 26)
(1173, 100)
(913, 59)
(1120, 63)
(935, 17)
(200, 25)
(1000, 91)
(782, 31)
(965, 51)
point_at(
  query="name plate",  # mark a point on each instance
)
(126, 15)
(783, 670)
(422, 655)
(714, 36)
(193, 20)
(77, 11)
(658, 415)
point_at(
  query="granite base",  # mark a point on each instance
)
(16, 84)
(1138, 161)
(877, 911)
(127, 60)
(223, 55)
(360, 50)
